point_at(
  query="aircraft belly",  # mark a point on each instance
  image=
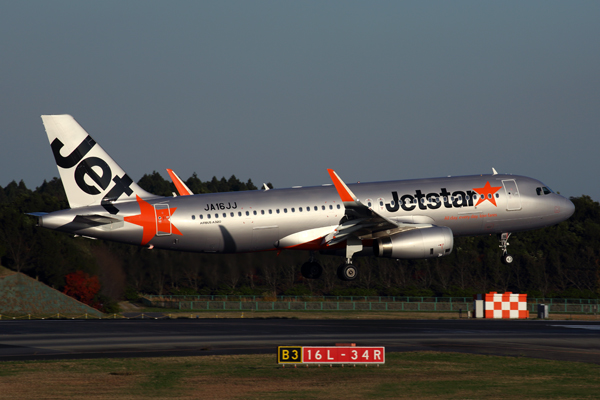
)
(264, 237)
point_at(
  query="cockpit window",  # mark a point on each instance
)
(543, 190)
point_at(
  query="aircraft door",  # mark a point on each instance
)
(513, 199)
(162, 216)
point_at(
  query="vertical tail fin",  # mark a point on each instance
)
(89, 175)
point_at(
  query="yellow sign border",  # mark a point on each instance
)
(281, 348)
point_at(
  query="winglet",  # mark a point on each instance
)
(494, 172)
(345, 193)
(179, 185)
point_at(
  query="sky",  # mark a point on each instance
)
(279, 91)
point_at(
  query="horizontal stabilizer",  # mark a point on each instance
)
(36, 214)
(96, 220)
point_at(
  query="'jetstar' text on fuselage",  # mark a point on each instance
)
(434, 201)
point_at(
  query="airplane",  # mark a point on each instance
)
(404, 219)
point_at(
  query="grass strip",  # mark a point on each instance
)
(411, 375)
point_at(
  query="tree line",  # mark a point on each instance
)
(559, 261)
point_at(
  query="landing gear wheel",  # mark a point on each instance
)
(506, 258)
(311, 270)
(347, 272)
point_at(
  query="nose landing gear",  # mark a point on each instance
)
(506, 258)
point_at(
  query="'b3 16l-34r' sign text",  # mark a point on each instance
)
(330, 355)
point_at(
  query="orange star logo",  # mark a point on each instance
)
(153, 220)
(487, 193)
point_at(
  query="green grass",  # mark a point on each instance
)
(418, 375)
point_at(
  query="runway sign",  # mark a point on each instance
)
(289, 355)
(330, 355)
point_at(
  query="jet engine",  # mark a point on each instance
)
(431, 242)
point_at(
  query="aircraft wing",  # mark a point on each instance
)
(361, 221)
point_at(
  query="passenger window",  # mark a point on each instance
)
(330, 207)
(193, 217)
(232, 215)
(293, 209)
(262, 212)
(338, 206)
(308, 208)
(201, 216)
(277, 211)
(208, 216)
(497, 196)
(381, 204)
(323, 207)
(369, 204)
(224, 215)
(285, 210)
(489, 195)
(270, 211)
(316, 208)
(247, 213)
(239, 213)
(300, 209)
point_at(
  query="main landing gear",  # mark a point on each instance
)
(506, 258)
(311, 269)
(347, 271)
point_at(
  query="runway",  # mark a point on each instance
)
(70, 339)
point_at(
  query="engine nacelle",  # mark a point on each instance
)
(431, 242)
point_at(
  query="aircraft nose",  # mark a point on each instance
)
(568, 207)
